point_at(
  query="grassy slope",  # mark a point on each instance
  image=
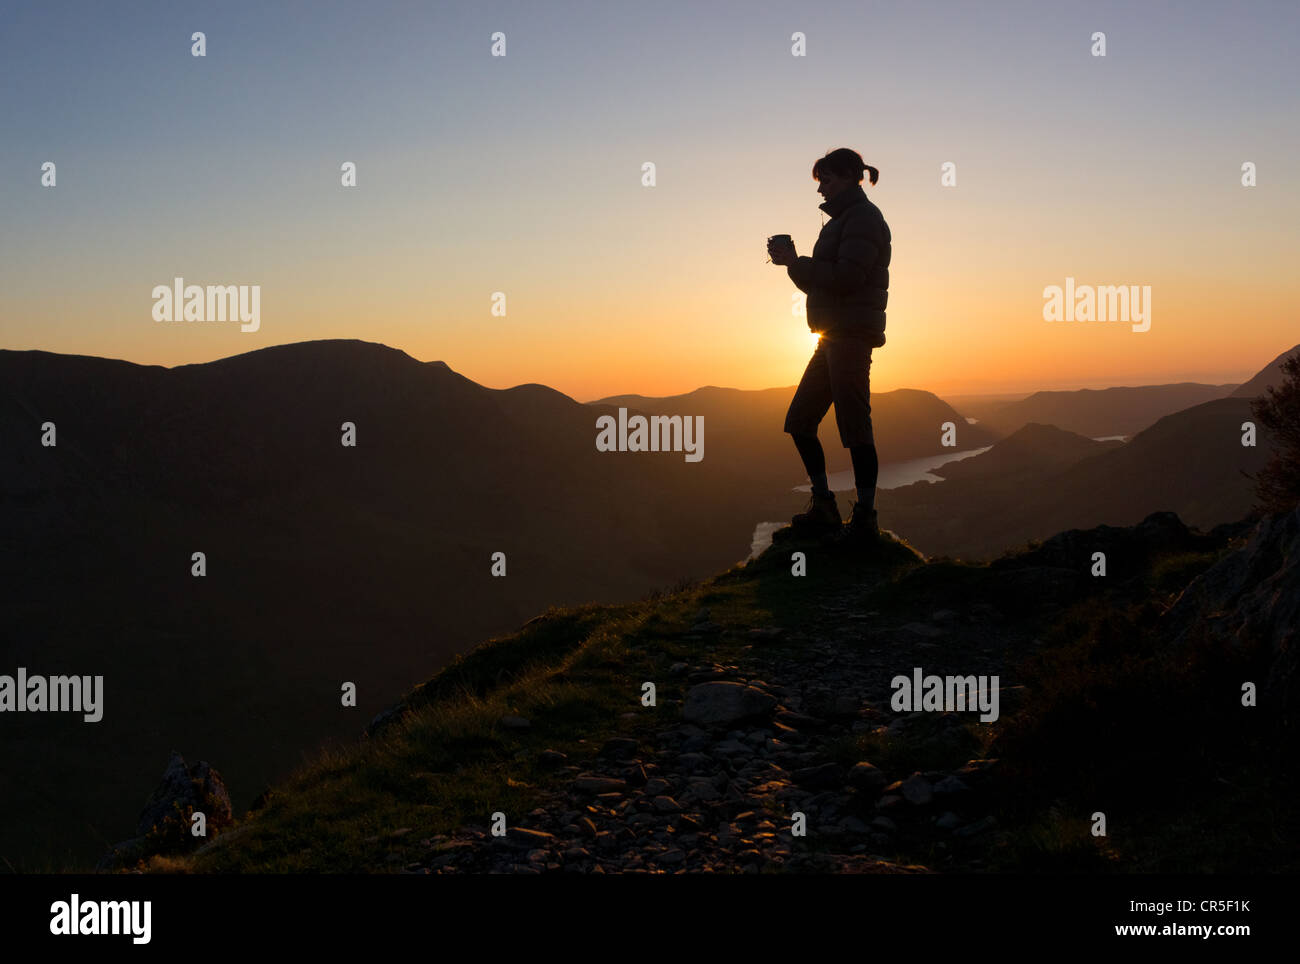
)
(575, 673)
(1108, 724)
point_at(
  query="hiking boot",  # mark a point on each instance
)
(862, 527)
(822, 514)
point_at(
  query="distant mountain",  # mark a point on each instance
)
(907, 425)
(1269, 376)
(325, 563)
(1191, 463)
(978, 407)
(1097, 413)
(1031, 451)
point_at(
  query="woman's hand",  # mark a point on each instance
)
(782, 254)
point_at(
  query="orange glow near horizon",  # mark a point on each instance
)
(1060, 356)
(480, 174)
(674, 308)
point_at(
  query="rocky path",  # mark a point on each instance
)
(762, 738)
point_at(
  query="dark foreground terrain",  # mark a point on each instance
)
(1119, 696)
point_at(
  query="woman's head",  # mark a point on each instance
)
(841, 168)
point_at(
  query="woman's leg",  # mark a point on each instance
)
(811, 402)
(866, 471)
(849, 364)
(814, 461)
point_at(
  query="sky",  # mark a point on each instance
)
(522, 175)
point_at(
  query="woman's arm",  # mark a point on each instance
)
(860, 243)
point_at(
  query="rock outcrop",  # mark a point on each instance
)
(1128, 548)
(165, 824)
(1250, 601)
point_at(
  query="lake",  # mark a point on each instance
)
(892, 476)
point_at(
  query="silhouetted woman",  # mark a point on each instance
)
(847, 284)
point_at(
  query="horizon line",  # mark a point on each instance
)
(1235, 382)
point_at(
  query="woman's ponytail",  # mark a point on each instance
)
(845, 163)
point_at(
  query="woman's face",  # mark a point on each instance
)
(830, 184)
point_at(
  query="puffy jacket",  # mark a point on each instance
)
(847, 277)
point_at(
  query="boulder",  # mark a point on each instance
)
(197, 788)
(865, 776)
(165, 822)
(718, 703)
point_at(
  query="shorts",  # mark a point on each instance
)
(839, 373)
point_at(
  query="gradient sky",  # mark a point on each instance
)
(522, 174)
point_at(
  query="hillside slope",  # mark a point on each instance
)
(369, 564)
(1026, 454)
(774, 700)
(1096, 413)
(1269, 376)
(1191, 463)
